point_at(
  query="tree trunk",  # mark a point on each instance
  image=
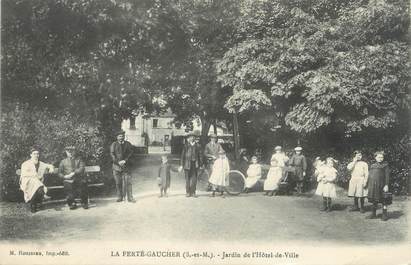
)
(205, 127)
(236, 136)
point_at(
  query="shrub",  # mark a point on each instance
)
(24, 127)
(395, 155)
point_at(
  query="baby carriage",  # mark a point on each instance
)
(285, 187)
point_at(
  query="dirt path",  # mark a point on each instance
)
(244, 218)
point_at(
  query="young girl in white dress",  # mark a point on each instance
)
(219, 175)
(273, 178)
(253, 174)
(326, 178)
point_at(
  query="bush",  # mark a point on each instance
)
(395, 155)
(24, 127)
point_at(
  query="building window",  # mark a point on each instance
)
(155, 123)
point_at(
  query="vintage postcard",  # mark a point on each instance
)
(205, 132)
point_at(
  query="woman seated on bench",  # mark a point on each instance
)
(253, 174)
(31, 179)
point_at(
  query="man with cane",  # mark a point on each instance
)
(121, 152)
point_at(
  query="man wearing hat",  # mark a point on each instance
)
(121, 152)
(299, 164)
(71, 170)
(190, 162)
(31, 179)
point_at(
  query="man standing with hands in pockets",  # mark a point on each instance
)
(190, 162)
(121, 152)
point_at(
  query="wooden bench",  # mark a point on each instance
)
(88, 170)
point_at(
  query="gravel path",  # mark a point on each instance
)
(244, 218)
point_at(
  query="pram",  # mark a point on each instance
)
(285, 187)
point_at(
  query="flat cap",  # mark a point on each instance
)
(119, 132)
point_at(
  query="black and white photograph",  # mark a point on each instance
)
(205, 132)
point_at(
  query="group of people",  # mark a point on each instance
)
(366, 182)
(71, 171)
(371, 183)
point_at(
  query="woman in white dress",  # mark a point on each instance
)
(273, 178)
(280, 156)
(219, 175)
(253, 174)
(327, 175)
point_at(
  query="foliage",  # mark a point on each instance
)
(24, 127)
(399, 169)
(247, 100)
(192, 90)
(347, 69)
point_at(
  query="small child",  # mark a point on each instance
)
(273, 178)
(219, 174)
(326, 177)
(253, 174)
(378, 182)
(164, 175)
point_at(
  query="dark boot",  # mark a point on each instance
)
(362, 209)
(324, 205)
(373, 214)
(355, 207)
(384, 215)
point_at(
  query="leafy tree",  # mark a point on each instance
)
(324, 64)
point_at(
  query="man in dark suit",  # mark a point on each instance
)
(121, 152)
(71, 170)
(190, 162)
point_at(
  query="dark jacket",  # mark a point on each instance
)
(68, 166)
(120, 152)
(190, 153)
(299, 165)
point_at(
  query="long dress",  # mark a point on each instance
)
(31, 179)
(253, 175)
(326, 182)
(273, 178)
(358, 181)
(219, 175)
(378, 177)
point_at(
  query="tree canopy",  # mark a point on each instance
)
(301, 65)
(323, 63)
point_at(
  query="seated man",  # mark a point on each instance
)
(31, 179)
(71, 170)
